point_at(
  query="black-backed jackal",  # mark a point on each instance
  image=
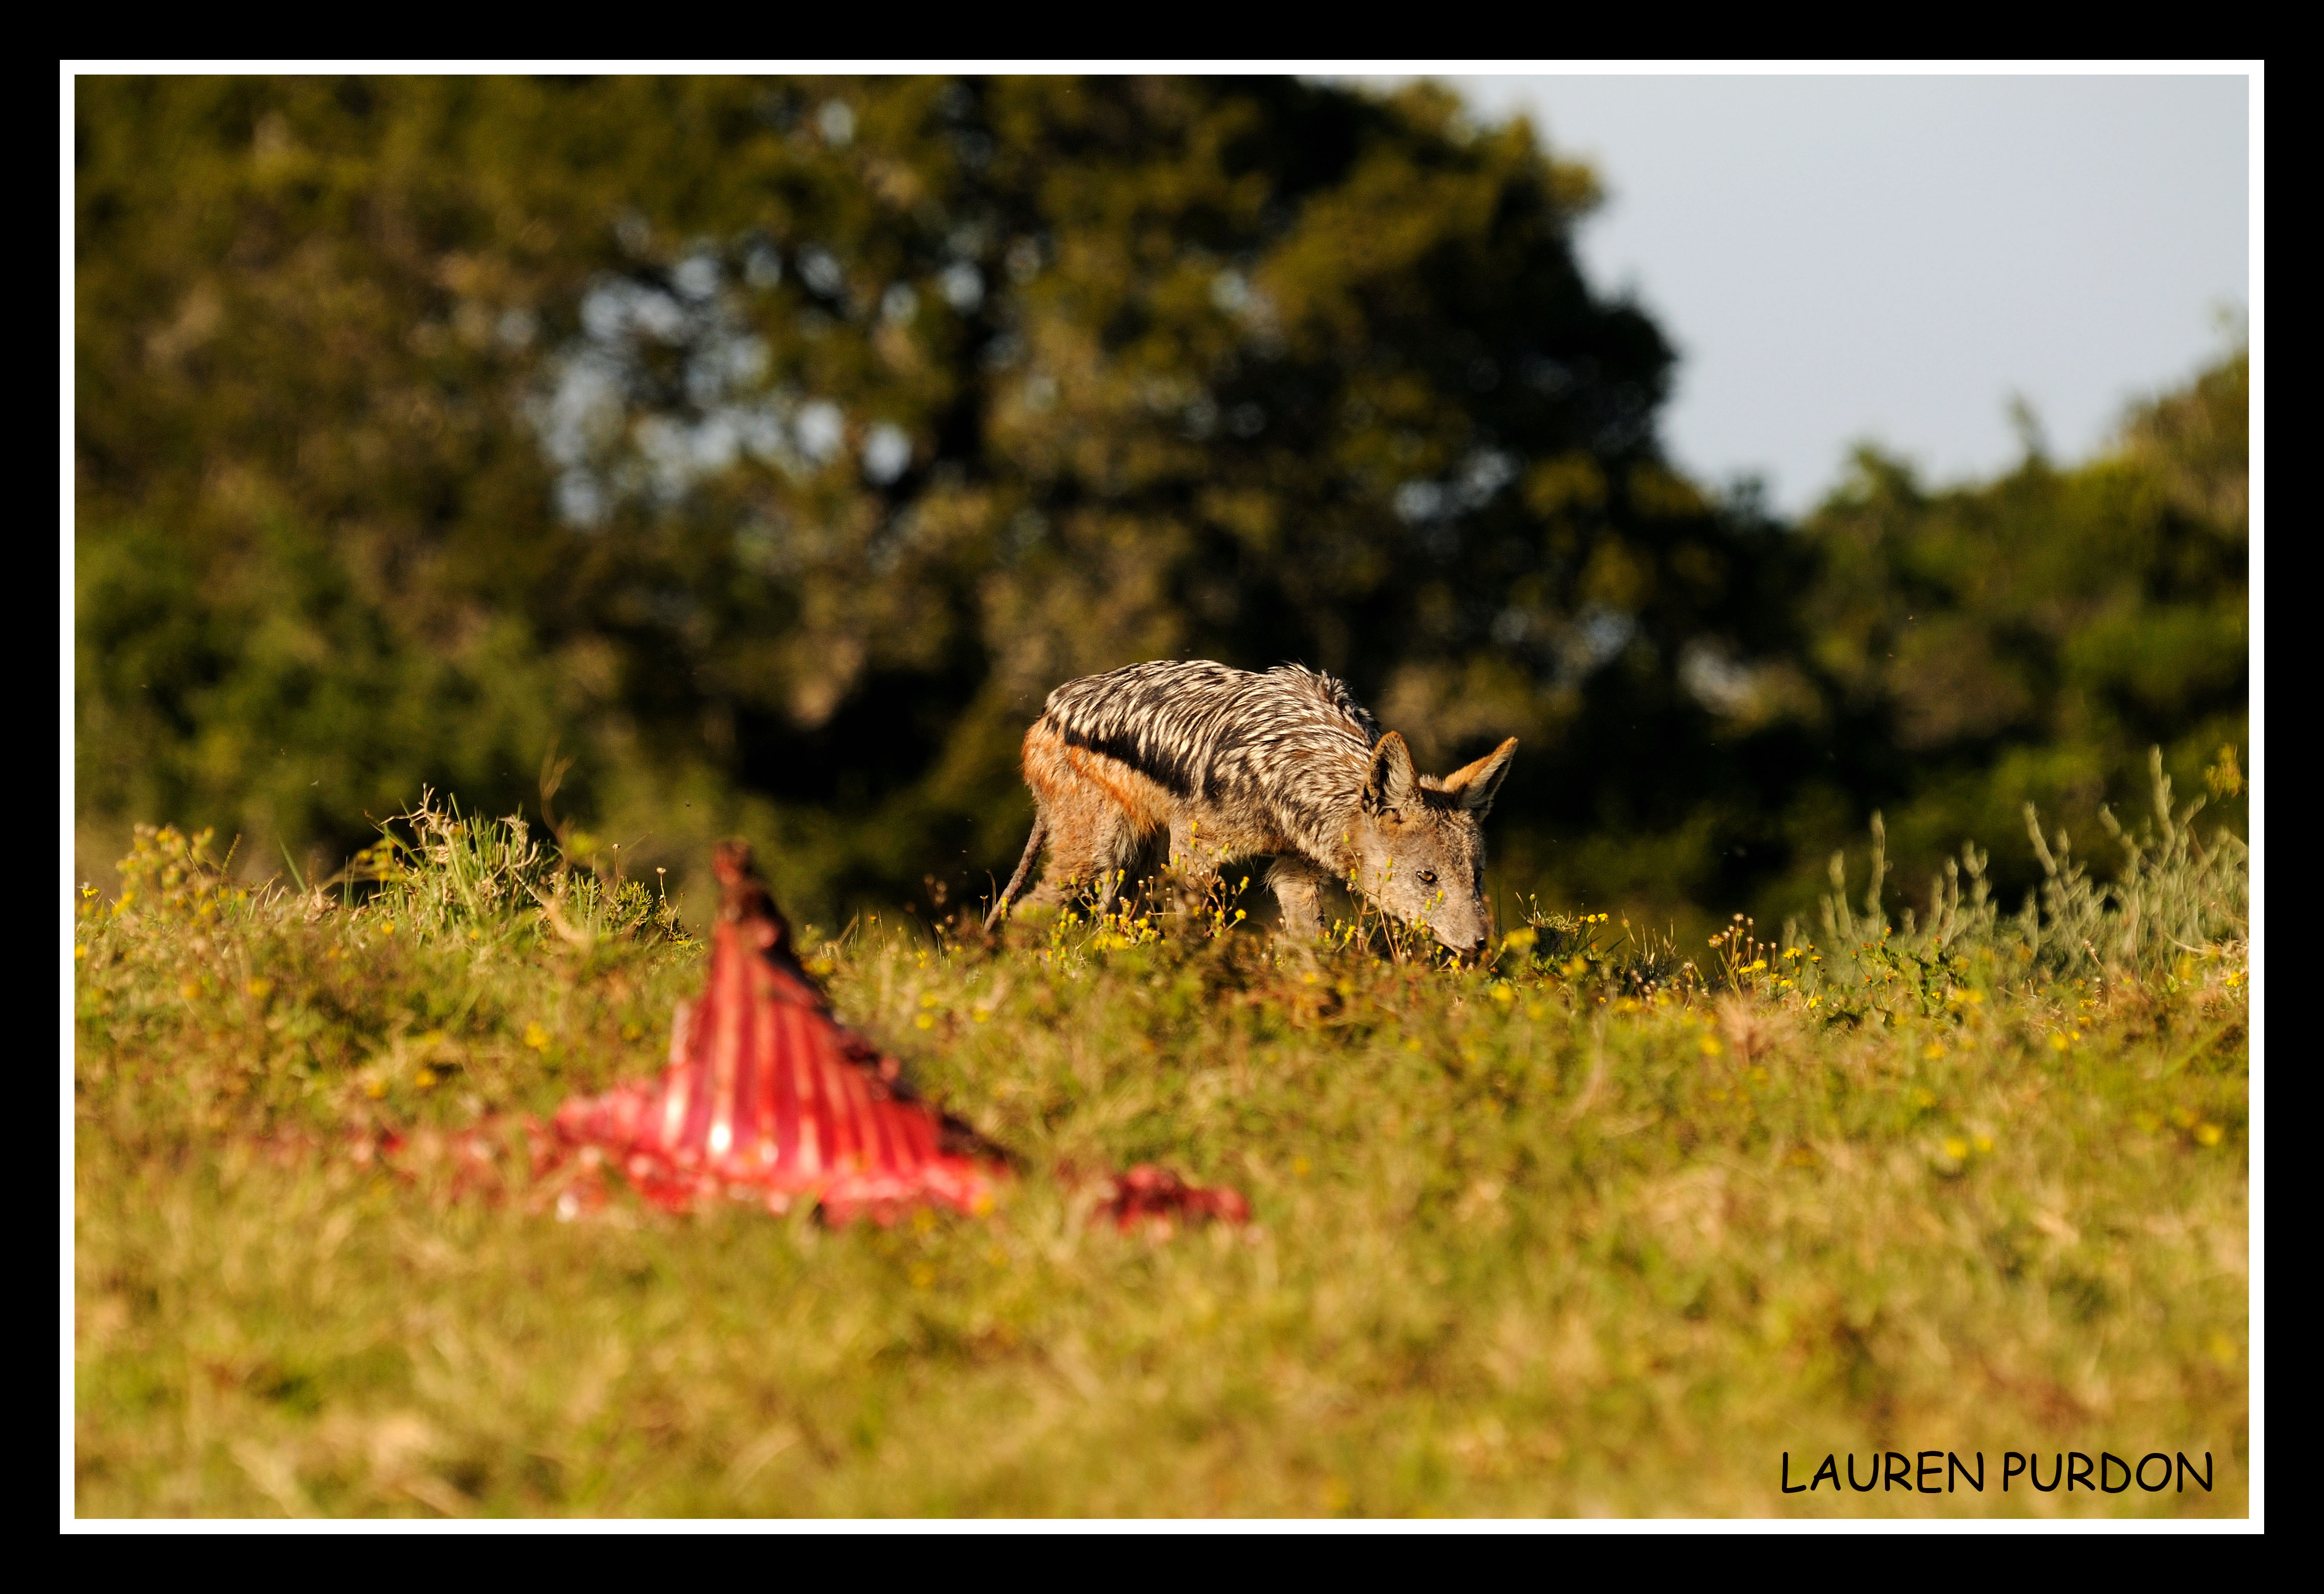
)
(1233, 765)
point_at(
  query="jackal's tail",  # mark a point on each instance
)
(1024, 872)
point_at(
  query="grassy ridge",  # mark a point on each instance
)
(1580, 1232)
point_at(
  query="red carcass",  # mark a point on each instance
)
(768, 1098)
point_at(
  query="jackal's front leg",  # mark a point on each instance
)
(1298, 888)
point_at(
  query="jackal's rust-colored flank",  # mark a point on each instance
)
(1232, 764)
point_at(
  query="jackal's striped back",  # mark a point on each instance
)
(1201, 731)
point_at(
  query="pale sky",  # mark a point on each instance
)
(1892, 258)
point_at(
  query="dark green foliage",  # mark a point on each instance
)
(770, 448)
(2028, 640)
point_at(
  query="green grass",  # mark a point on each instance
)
(1581, 1232)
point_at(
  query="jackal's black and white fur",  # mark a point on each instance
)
(1233, 765)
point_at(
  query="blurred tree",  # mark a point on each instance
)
(770, 448)
(2029, 638)
(778, 445)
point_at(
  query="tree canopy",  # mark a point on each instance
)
(768, 450)
(2028, 639)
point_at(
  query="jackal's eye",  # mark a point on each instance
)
(1427, 877)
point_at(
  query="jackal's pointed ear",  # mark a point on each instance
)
(1475, 783)
(1392, 783)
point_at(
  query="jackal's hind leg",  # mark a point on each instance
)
(1190, 868)
(1091, 855)
(1110, 882)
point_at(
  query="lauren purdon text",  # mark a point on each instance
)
(1941, 1471)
